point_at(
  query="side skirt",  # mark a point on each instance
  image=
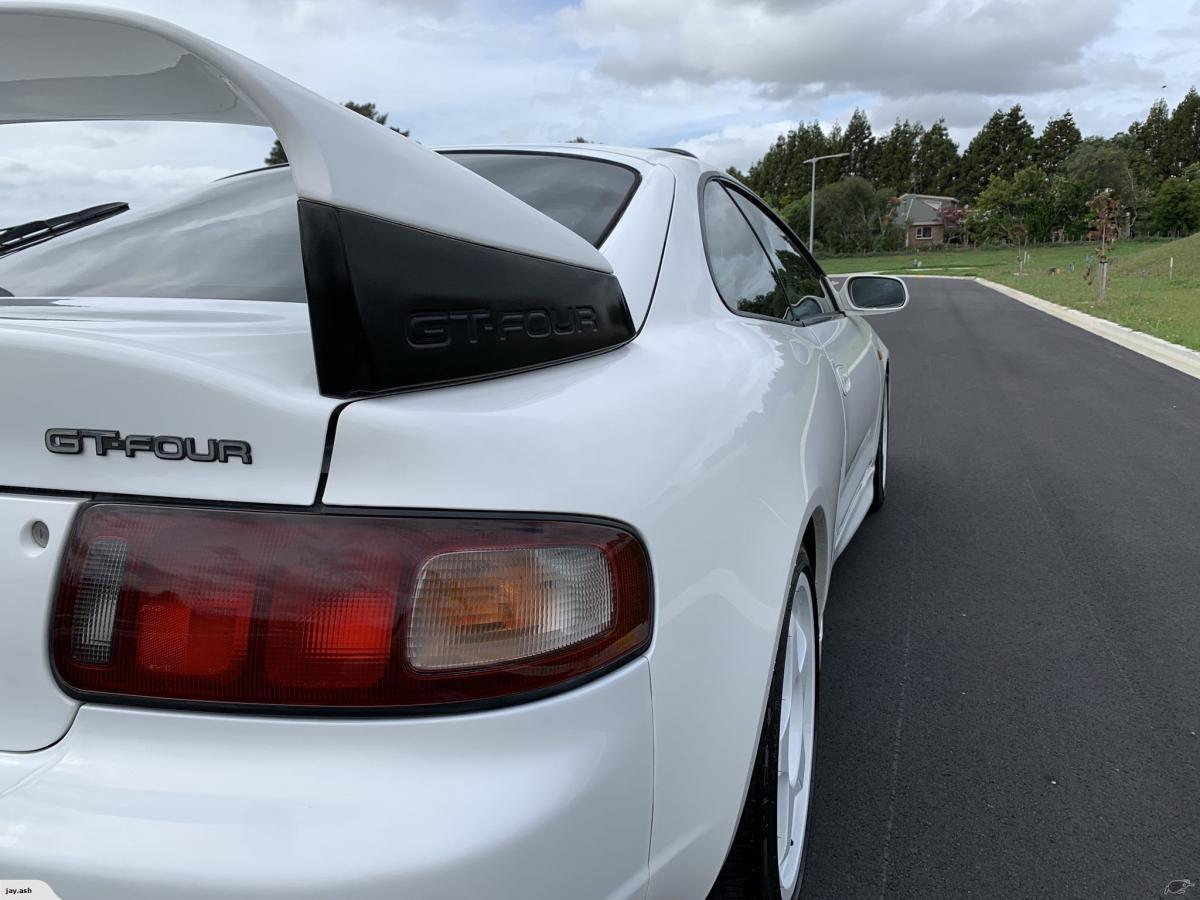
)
(858, 510)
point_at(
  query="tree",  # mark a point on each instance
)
(805, 143)
(1184, 132)
(953, 220)
(858, 141)
(278, 157)
(769, 176)
(1058, 139)
(1003, 147)
(795, 214)
(852, 216)
(895, 155)
(1034, 203)
(1176, 207)
(991, 218)
(1068, 202)
(1045, 184)
(1031, 204)
(935, 163)
(781, 176)
(1151, 144)
(1011, 209)
(1106, 216)
(834, 169)
(1098, 165)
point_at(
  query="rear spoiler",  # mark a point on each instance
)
(418, 271)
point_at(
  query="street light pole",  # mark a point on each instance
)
(812, 196)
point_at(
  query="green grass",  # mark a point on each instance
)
(1169, 309)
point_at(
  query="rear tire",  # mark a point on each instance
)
(881, 451)
(766, 861)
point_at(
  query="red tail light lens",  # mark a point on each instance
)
(331, 612)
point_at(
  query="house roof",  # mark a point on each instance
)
(920, 209)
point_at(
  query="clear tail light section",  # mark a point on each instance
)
(336, 613)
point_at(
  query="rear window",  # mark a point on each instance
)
(239, 238)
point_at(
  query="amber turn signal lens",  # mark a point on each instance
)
(479, 607)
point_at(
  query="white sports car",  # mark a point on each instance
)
(411, 524)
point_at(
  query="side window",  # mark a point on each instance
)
(741, 269)
(801, 280)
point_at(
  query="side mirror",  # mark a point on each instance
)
(874, 294)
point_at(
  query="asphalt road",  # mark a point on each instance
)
(1010, 694)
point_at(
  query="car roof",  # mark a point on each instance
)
(650, 155)
(639, 157)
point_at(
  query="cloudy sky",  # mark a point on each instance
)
(719, 77)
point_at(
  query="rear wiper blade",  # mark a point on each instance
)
(18, 237)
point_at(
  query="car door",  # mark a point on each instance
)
(846, 340)
(750, 284)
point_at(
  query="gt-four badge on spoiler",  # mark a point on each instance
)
(164, 446)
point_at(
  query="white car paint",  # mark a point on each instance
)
(714, 435)
(198, 368)
(34, 712)
(507, 805)
(719, 438)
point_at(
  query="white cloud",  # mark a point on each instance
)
(736, 145)
(50, 169)
(892, 49)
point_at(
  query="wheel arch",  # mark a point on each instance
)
(814, 546)
(818, 543)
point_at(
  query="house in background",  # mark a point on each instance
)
(921, 217)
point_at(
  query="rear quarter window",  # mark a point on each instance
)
(586, 195)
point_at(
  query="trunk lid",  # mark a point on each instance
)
(161, 380)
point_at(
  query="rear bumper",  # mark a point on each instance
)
(546, 800)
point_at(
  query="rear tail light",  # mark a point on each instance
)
(331, 612)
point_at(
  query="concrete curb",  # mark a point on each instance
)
(1179, 358)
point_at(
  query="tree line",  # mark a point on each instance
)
(1011, 186)
(1018, 186)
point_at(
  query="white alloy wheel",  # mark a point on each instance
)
(797, 714)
